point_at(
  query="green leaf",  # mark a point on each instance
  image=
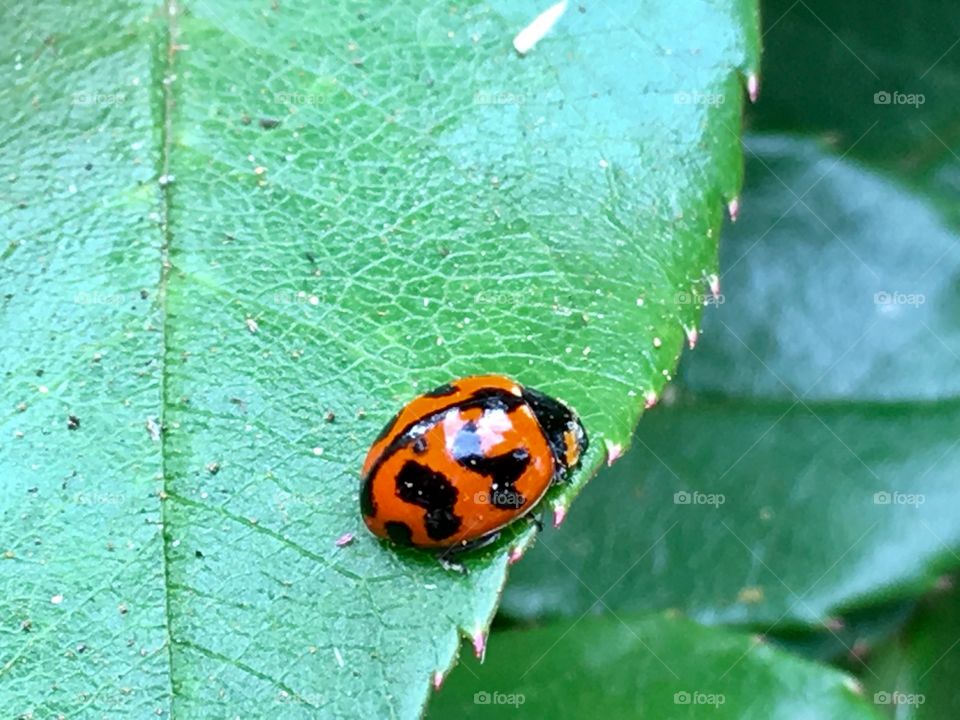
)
(806, 497)
(826, 375)
(914, 676)
(655, 667)
(827, 63)
(845, 642)
(226, 225)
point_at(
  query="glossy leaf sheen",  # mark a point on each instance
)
(256, 216)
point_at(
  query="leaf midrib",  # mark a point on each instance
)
(171, 10)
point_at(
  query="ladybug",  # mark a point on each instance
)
(462, 461)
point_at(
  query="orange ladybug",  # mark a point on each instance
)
(460, 462)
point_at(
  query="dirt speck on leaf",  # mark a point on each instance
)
(153, 428)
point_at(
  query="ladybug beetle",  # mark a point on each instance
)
(460, 462)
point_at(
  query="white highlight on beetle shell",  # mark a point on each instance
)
(490, 429)
(452, 423)
(533, 33)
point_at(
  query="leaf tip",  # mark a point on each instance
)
(753, 87)
(479, 644)
(733, 208)
(614, 451)
(714, 282)
(559, 515)
(834, 624)
(853, 685)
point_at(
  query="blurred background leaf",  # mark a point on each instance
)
(914, 676)
(648, 668)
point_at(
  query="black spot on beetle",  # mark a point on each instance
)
(367, 506)
(503, 471)
(443, 391)
(441, 523)
(399, 532)
(555, 420)
(494, 399)
(419, 485)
